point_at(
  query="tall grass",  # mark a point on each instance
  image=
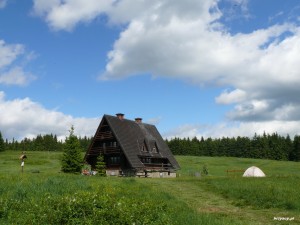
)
(73, 199)
(217, 166)
(44, 195)
(260, 193)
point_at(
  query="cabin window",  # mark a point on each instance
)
(146, 160)
(154, 150)
(115, 160)
(144, 148)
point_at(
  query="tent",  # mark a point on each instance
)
(254, 171)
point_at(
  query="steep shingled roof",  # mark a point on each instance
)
(132, 135)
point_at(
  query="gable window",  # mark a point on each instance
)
(144, 148)
(155, 149)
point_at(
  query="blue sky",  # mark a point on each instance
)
(207, 68)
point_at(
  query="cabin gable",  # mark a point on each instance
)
(130, 148)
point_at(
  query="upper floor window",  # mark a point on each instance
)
(144, 148)
(115, 160)
(154, 150)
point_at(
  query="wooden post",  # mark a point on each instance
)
(22, 165)
(23, 157)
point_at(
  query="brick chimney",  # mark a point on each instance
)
(138, 120)
(120, 116)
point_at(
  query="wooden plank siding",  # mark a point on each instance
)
(138, 146)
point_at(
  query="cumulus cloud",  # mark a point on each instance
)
(234, 96)
(233, 129)
(187, 40)
(262, 66)
(25, 118)
(9, 53)
(65, 14)
(16, 76)
(11, 71)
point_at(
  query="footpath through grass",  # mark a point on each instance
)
(43, 195)
(248, 200)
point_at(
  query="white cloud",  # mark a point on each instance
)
(262, 66)
(243, 129)
(64, 15)
(186, 40)
(16, 76)
(24, 118)
(11, 71)
(234, 96)
(9, 53)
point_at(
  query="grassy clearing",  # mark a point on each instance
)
(51, 197)
(266, 193)
(218, 166)
(42, 162)
(247, 199)
(71, 199)
(43, 195)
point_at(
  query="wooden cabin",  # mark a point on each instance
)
(131, 148)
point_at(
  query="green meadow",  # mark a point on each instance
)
(44, 195)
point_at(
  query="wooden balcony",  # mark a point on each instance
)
(104, 135)
(105, 150)
(158, 165)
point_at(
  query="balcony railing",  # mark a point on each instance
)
(105, 150)
(104, 135)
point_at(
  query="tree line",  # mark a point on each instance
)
(266, 146)
(47, 142)
(72, 147)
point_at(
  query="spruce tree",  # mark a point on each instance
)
(72, 160)
(100, 166)
(295, 155)
(2, 144)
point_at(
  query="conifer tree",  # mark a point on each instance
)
(295, 156)
(100, 166)
(2, 144)
(72, 160)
